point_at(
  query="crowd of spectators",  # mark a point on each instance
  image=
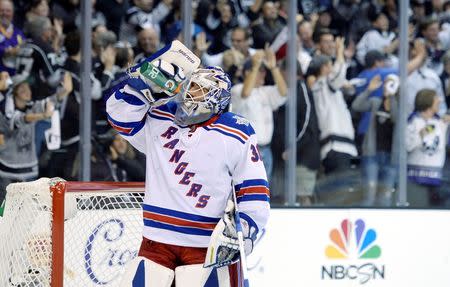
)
(347, 87)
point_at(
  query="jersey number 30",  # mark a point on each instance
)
(256, 155)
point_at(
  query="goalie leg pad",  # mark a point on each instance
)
(196, 276)
(142, 272)
(189, 275)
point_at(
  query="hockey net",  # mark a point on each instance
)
(57, 233)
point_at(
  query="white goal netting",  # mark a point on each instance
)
(102, 232)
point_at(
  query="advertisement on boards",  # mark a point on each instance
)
(300, 247)
(360, 247)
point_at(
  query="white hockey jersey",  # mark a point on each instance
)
(190, 171)
(426, 155)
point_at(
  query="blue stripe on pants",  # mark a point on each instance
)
(139, 277)
(213, 280)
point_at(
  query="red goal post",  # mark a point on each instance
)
(57, 233)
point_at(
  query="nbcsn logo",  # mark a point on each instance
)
(355, 248)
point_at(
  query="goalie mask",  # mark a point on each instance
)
(205, 94)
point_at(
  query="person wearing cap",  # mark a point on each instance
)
(377, 171)
(337, 135)
(376, 65)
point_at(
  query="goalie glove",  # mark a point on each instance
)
(159, 81)
(223, 249)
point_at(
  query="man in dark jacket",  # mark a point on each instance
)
(70, 109)
(37, 59)
(308, 142)
(269, 28)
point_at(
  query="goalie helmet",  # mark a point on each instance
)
(205, 94)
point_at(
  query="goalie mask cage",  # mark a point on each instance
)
(63, 234)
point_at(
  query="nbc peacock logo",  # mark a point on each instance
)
(356, 246)
(342, 244)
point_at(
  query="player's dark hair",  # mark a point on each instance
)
(317, 63)
(301, 23)
(424, 100)
(105, 39)
(32, 4)
(318, 34)
(427, 22)
(373, 13)
(72, 43)
(122, 56)
(16, 87)
(245, 31)
(36, 27)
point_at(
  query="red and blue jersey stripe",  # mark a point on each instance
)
(127, 129)
(165, 112)
(252, 190)
(178, 221)
(161, 115)
(228, 131)
(232, 125)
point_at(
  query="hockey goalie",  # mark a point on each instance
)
(198, 154)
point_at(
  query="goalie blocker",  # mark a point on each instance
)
(223, 249)
(195, 150)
